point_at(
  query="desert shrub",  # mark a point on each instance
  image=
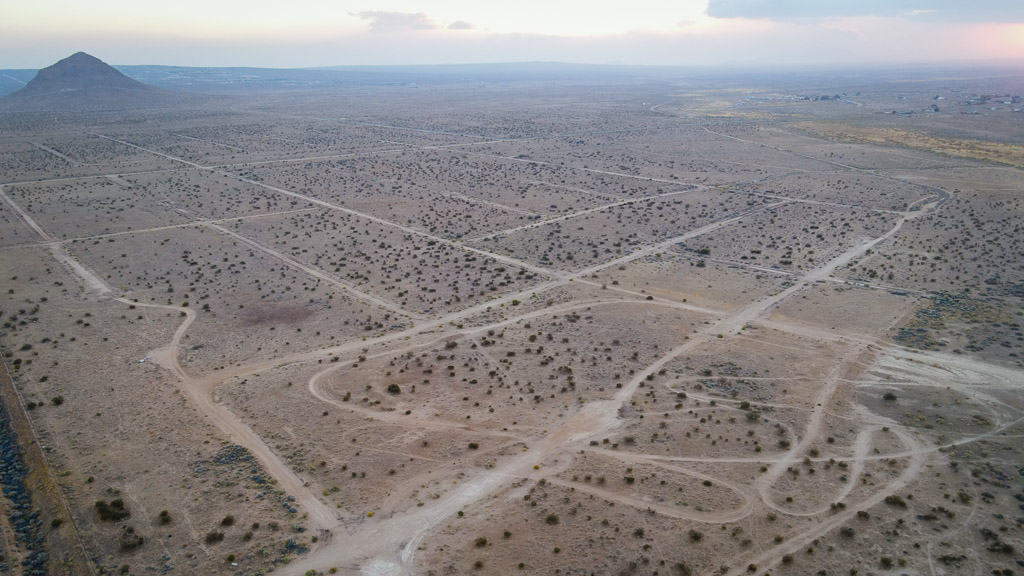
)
(895, 500)
(130, 540)
(112, 511)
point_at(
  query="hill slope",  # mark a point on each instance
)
(84, 82)
(79, 72)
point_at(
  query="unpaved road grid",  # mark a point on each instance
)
(858, 458)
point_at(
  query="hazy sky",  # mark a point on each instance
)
(678, 32)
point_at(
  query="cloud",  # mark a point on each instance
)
(391, 22)
(949, 10)
(460, 25)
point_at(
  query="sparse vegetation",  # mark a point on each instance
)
(656, 333)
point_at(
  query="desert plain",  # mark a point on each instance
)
(653, 325)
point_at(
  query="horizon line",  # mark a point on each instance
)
(735, 65)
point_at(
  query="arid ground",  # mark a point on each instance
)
(639, 327)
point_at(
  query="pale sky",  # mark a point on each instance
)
(659, 32)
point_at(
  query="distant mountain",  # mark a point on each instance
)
(79, 72)
(227, 80)
(84, 82)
